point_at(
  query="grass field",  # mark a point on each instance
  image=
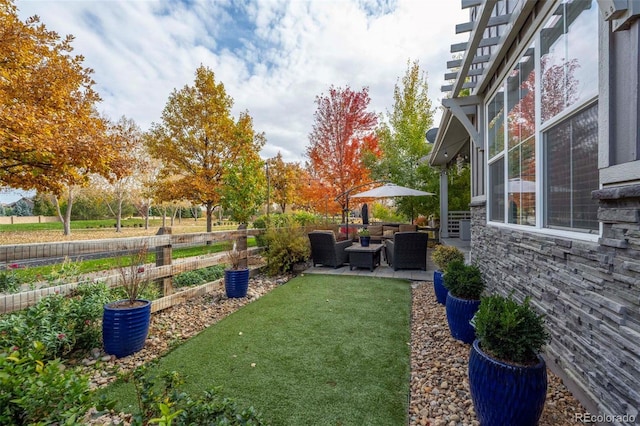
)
(318, 350)
(25, 233)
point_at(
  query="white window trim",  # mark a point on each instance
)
(538, 228)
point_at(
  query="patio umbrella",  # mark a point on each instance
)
(521, 185)
(365, 214)
(391, 190)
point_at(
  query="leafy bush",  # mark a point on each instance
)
(161, 401)
(509, 331)
(198, 276)
(443, 255)
(260, 223)
(463, 281)
(9, 282)
(36, 391)
(286, 247)
(61, 324)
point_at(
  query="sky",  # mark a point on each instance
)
(274, 57)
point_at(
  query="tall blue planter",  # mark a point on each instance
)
(124, 330)
(438, 287)
(505, 394)
(459, 313)
(236, 282)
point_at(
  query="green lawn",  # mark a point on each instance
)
(325, 350)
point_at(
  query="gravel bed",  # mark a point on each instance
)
(439, 382)
(439, 385)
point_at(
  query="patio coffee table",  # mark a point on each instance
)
(364, 257)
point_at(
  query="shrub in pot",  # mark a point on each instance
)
(465, 285)
(236, 278)
(365, 237)
(125, 323)
(507, 375)
(443, 255)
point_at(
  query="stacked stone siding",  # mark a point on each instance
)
(589, 291)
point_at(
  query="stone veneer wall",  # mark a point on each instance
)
(590, 293)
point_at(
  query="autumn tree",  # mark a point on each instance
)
(343, 131)
(48, 124)
(125, 166)
(51, 136)
(402, 142)
(285, 181)
(204, 150)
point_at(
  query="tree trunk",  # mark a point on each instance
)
(119, 216)
(146, 216)
(66, 218)
(209, 216)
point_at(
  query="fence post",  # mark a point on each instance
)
(241, 245)
(163, 257)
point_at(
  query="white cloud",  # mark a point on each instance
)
(273, 56)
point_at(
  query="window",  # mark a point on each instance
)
(571, 159)
(545, 110)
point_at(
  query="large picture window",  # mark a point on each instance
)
(545, 111)
(571, 157)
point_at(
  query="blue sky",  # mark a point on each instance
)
(273, 56)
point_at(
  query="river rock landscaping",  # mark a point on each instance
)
(439, 383)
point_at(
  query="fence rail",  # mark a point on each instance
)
(453, 221)
(162, 271)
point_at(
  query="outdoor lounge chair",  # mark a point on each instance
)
(325, 250)
(407, 250)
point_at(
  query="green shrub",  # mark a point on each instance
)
(510, 331)
(187, 279)
(198, 276)
(443, 255)
(161, 401)
(260, 223)
(463, 281)
(9, 282)
(36, 391)
(61, 324)
(286, 247)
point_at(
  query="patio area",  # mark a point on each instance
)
(384, 271)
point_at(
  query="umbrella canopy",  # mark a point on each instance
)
(390, 190)
(521, 185)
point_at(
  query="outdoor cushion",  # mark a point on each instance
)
(393, 229)
(388, 233)
(407, 228)
(407, 250)
(375, 230)
(325, 250)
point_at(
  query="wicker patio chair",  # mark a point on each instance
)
(407, 250)
(325, 250)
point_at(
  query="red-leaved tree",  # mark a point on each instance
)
(343, 131)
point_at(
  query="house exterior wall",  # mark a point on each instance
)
(589, 292)
(585, 279)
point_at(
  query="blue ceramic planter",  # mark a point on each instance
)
(505, 394)
(459, 313)
(364, 241)
(124, 330)
(236, 282)
(438, 287)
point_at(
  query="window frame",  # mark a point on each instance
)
(540, 128)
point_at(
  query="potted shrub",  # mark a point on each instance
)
(443, 255)
(507, 375)
(365, 237)
(236, 278)
(125, 323)
(465, 285)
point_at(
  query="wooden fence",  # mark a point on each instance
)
(162, 271)
(453, 221)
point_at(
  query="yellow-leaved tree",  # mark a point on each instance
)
(51, 137)
(209, 158)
